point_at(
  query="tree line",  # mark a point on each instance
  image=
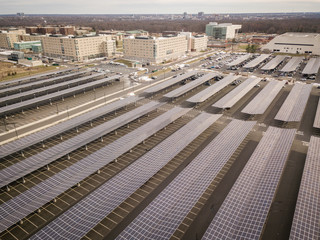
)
(278, 26)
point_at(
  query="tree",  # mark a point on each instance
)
(251, 48)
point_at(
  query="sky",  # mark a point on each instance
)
(155, 6)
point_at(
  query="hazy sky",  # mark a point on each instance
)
(155, 6)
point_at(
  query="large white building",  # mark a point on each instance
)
(78, 48)
(156, 50)
(222, 31)
(297, 43)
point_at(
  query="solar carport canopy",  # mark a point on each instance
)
(17, 81)
(273, 63)
(255, 62)
(239, 60)
(24, 142)
(169, 82)
(312, 66)
(292, 65)
(52, 96)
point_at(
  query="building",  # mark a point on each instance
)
(24, 46)
(68, 30)
(199, 43)
(155, 50)
(78, 48)
(36, 48)
(8, 38)
(30, 37)
(297, 43)
(222, 31)
(200, 14)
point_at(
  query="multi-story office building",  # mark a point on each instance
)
(297, 43)
(8, 38)
(155, 50)
(30, 37)
(199, 43)
(222, 31)
(78, 48)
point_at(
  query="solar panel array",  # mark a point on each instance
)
(255, 62)
(306, 218)
(292, 65)
(312, 66)
(51, 88)
(293, 107)
(170, 82)
(213, 89)
(164, 214)
(34, 162)
(239, 60)
(274, 63)
(189, 86)
(19, 80)
(262, 101)
(236, 94)
(27, 202)
(52, 96)
(243, 213)
(82, 217)
(316, 122)
(39, 83)
(27, 141)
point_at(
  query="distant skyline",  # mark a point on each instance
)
(156, 6)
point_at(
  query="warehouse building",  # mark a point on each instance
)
(296, 43)
(78, 48)
(156, 50)
(222, 31)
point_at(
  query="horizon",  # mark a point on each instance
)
(158, 7)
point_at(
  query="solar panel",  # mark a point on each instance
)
(274, 63)
(52, 96)
(255, 62)
(262, 101)
(27, 141)
(189, 86)
(312, 66)
(170, 82)
(30, 200)
(82, 217)
(213, 89)
(316, 122)
(306, 218)
(292, 65)
(44, 90)
(41, 159)
(164, 214)
(236, 94)
(39, 83)
(239, 60)
(18, 81)
(243, 213)
(293, 107)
